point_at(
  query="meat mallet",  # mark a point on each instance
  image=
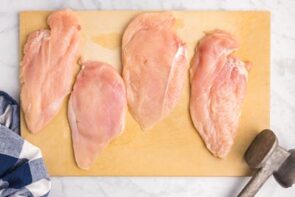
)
(268, 158)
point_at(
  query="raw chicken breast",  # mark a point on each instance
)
(154, 67)
(96, 110)
(47, 68)
(218, 87)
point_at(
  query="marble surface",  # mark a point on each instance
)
(282, 95)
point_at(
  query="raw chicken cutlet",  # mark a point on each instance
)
(218, 87)
(154, 67)
(96, 110)
(47, 68)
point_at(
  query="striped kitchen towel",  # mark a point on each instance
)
(22, 169)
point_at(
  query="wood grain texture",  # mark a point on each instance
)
(173, 147)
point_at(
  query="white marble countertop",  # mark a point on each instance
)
(282, 95)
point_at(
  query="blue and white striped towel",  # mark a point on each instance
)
(22, 169)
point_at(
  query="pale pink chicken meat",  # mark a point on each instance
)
(96, 110)
(154, 67)
(47, 68)
(218, 87)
